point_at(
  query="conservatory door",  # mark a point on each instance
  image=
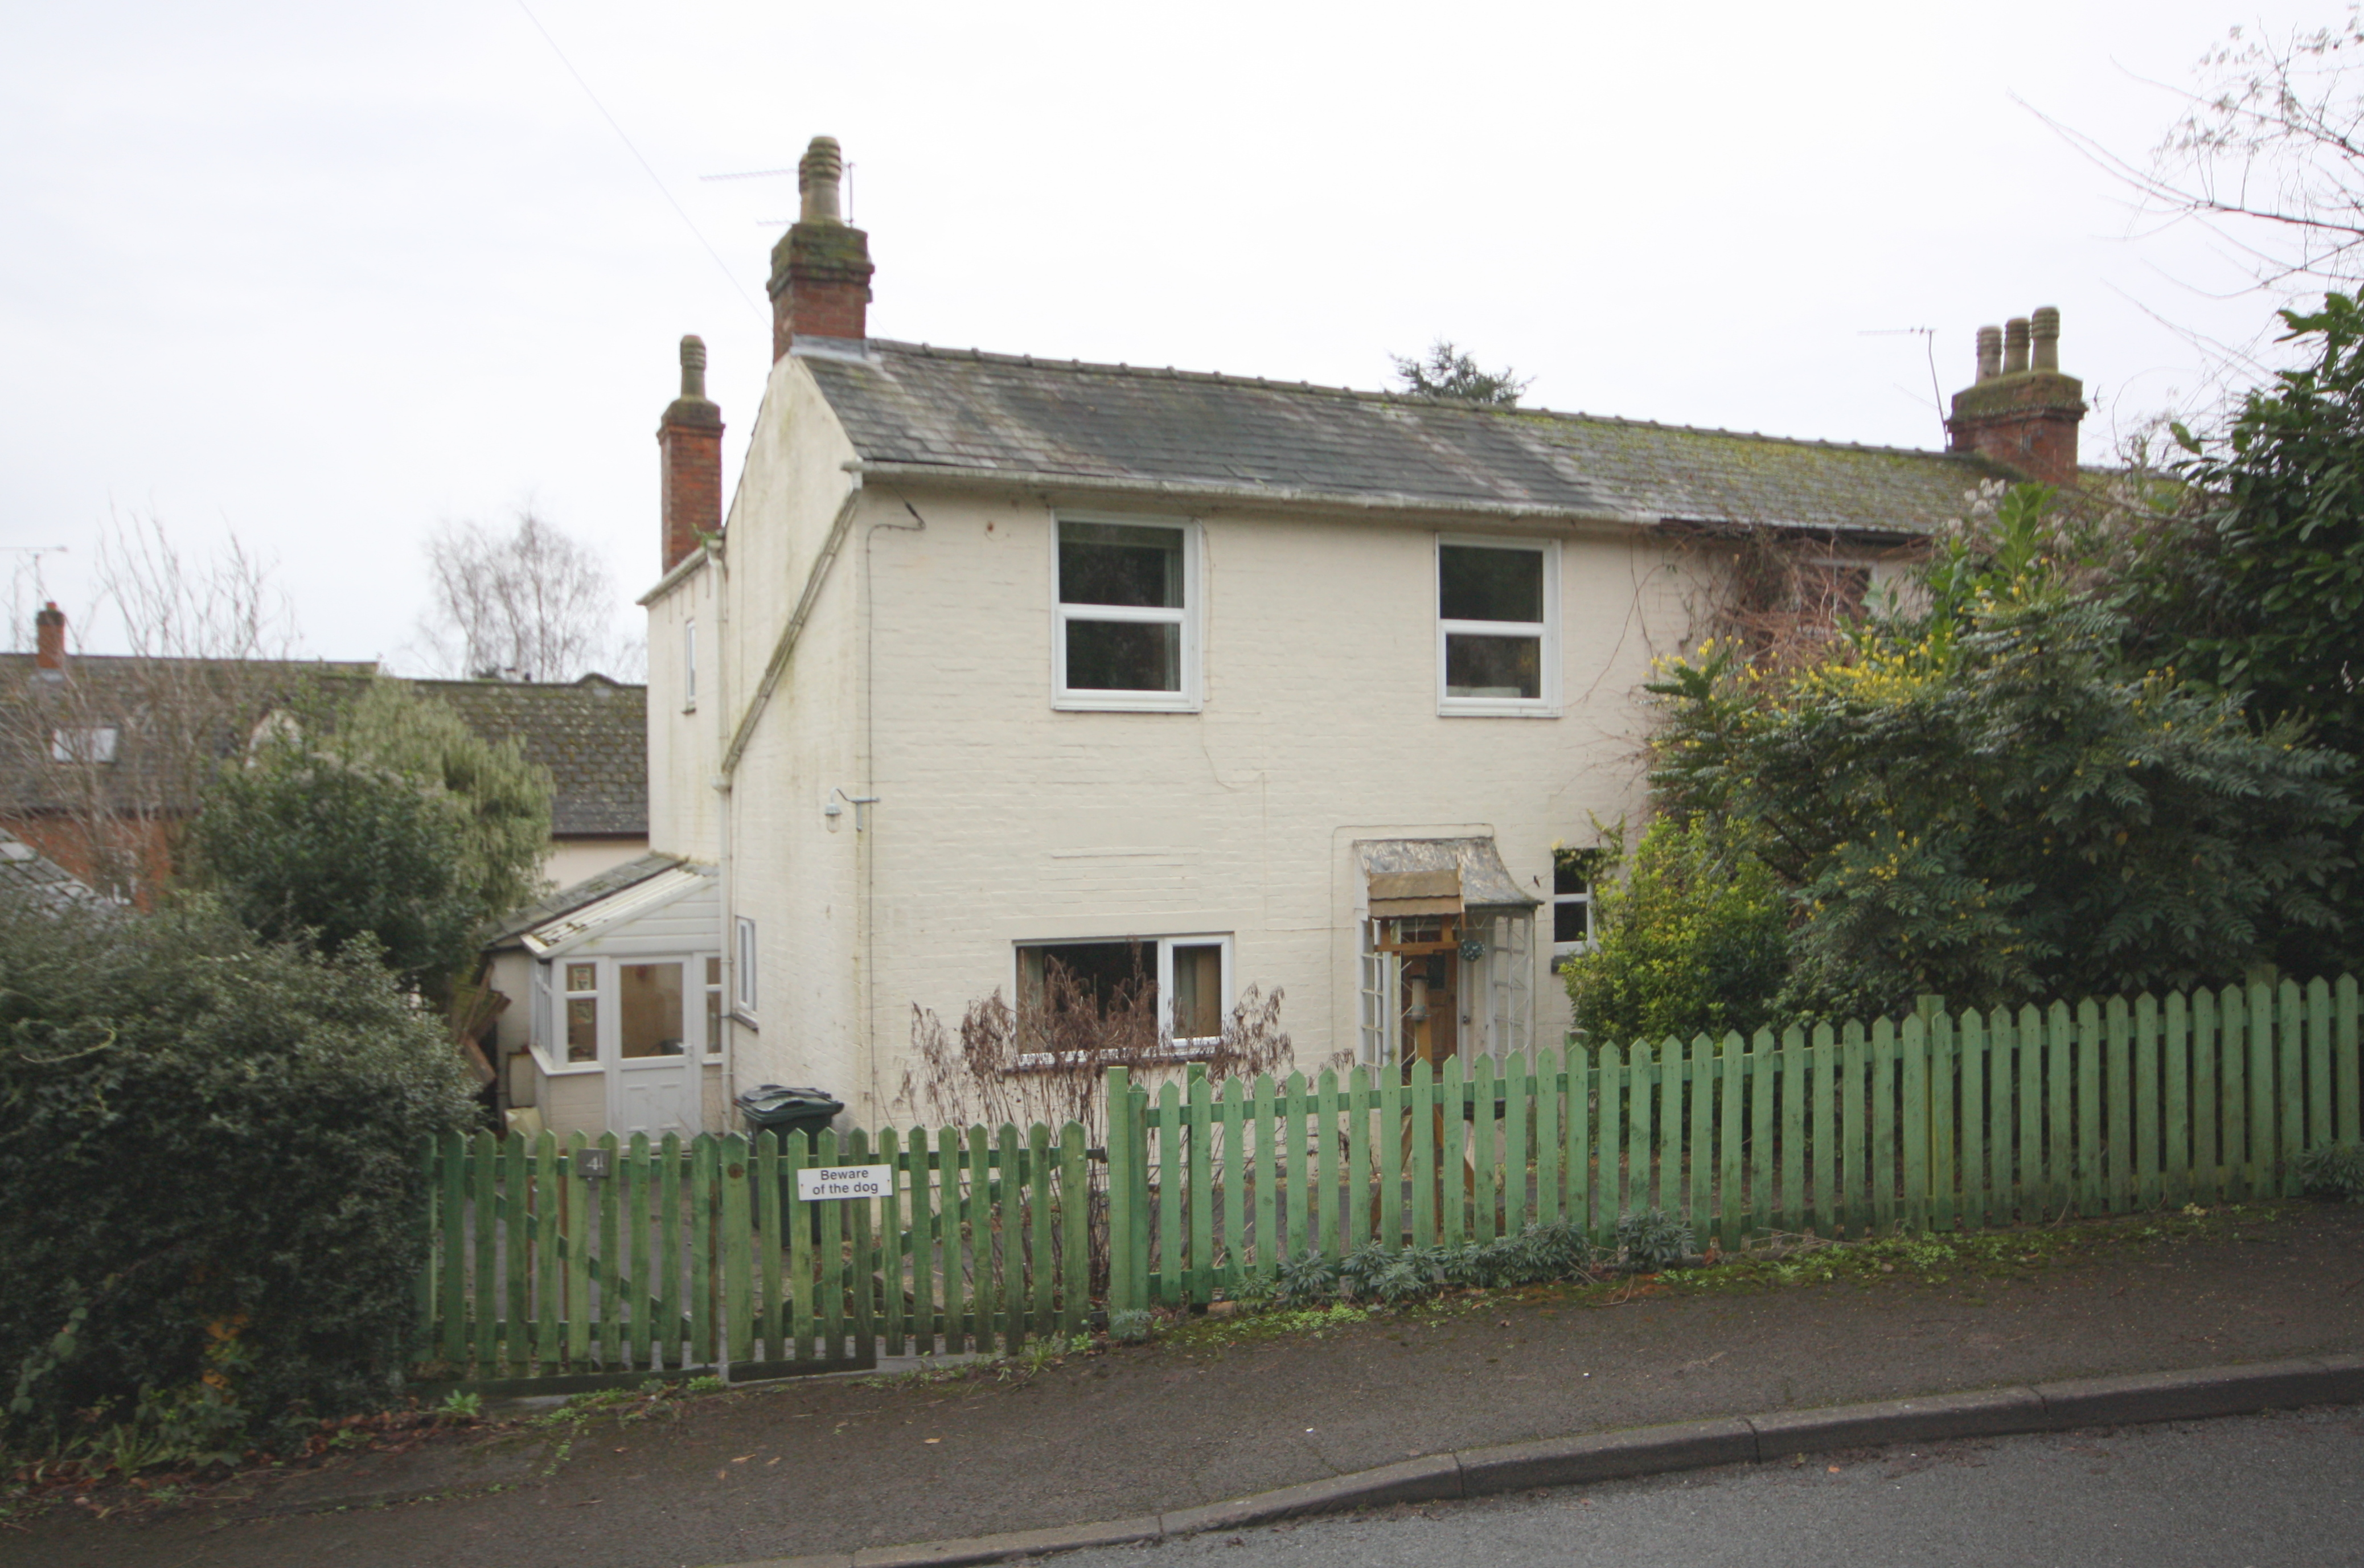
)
(653, 1072)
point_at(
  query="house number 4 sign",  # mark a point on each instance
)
(823, 1182)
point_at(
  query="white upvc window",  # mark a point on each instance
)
(1127, 633)
(579, 1013)
(714, 1005)
(1571, 908)
(689, 666)
(1191, 976)
(1497, 627)
(743, 967)
(628, 1009)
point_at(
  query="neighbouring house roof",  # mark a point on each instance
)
(119, 737)
(592, 734)
(566, 901)
(25, 873)
(151, 763)
(923, 409)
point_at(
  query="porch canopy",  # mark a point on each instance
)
(1439, 876)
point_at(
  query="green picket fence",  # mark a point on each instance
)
(632, 1256)
(1936, 1123)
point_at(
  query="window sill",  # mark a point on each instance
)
(745, 1020)
(564, 1069)
(1179, 1051)
(1164, 702)
(1451, 708)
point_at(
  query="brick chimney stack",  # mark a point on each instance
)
(821, 268)
(2022, 412)
(689, 444)
(49, 638)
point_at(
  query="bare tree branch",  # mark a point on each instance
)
(531, 605)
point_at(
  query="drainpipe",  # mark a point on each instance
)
(726, 944)
(865, 843)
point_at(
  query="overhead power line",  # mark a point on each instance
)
(654, 177)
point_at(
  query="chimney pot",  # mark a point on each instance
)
(692, 367)
(49, 638)
(817, 180)
(2023, 423)
(1989, 352)
(2044, 331)
(821, 268)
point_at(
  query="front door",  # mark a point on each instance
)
(653, 1065)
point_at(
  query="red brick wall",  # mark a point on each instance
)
(690, 484)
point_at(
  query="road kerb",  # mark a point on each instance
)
(1434, 1478)
(1985, 1413)
(1695, 1445)
(1606, 1456)
(2144, 1397)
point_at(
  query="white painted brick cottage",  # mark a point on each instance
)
(996, 661)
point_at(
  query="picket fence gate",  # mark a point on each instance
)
(627, 1258)
(601, 1256)
(1936, 1123)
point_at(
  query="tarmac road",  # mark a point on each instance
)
(2245, 1492)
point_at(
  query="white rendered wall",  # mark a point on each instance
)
(682, 749)
(805, 744)
(1002, 820)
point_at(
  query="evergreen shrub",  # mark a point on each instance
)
(210, 1148)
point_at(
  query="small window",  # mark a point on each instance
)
(84, 743)
(1571, 911)
(1180, 986)
(689, 666)
(1497, 651)
(1573, 874)
(713, 1007)
(745, 965)
(1127, 632)
(581, 1012)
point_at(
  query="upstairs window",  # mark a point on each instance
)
(1127, 632)
(1496, 611)
(689, 666)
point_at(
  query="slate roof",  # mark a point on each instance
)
(1186, 432)
(26, 873)
(592, 734)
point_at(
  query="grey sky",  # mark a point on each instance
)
(329, 275)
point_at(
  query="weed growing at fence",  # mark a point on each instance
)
(1937, 1259)
(2334, 1169)
(1652, 1240)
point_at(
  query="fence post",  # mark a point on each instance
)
(1128, 1238)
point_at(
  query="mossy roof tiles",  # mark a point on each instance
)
(592, 734)
(999, 415)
